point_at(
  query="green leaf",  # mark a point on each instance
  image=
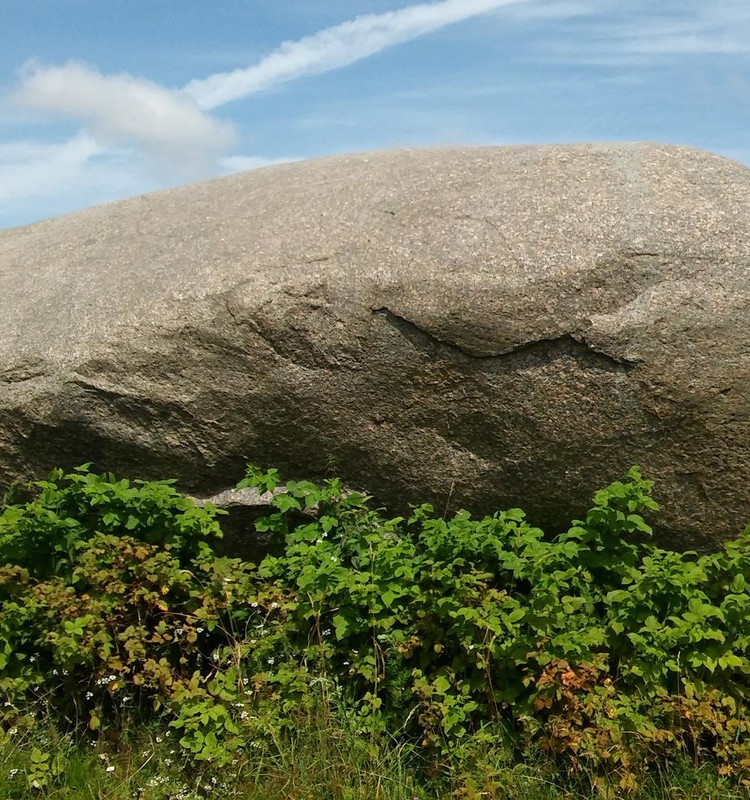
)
(285, 502)
(388, 597)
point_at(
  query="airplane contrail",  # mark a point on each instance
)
(336, 47)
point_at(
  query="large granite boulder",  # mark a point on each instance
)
(476, 327)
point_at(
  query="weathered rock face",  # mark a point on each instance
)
(477, 327)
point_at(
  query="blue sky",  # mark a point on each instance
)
(102, 99)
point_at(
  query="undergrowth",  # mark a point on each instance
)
(464, 657)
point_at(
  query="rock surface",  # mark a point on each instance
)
(242, 508)
(477, 327)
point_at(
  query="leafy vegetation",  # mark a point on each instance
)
(463, 653)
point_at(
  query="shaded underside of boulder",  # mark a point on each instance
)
(481, 328)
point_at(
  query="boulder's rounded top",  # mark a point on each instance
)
(631, 161)
(456, 219)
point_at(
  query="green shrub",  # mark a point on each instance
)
(597, 646)
(113, 605)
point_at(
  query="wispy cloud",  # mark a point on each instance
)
(646, 33)
(336, 47)
(32, 169)
(40, 179)
(122, 110)
(703, 32)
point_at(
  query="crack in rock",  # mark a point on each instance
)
(577, 343)
(97, 389)
(12, 377)
(22, 372)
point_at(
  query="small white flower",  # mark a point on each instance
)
(89, 695)
(271, 661)
(110, 769)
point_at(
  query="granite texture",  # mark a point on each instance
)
(483, 327)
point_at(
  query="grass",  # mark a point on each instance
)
(317, 760)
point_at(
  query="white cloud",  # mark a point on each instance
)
(336, 47)
(34, 169)
(121, 110)
(230, 164)
(171, 126)
(43, 179)
(135, 127)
